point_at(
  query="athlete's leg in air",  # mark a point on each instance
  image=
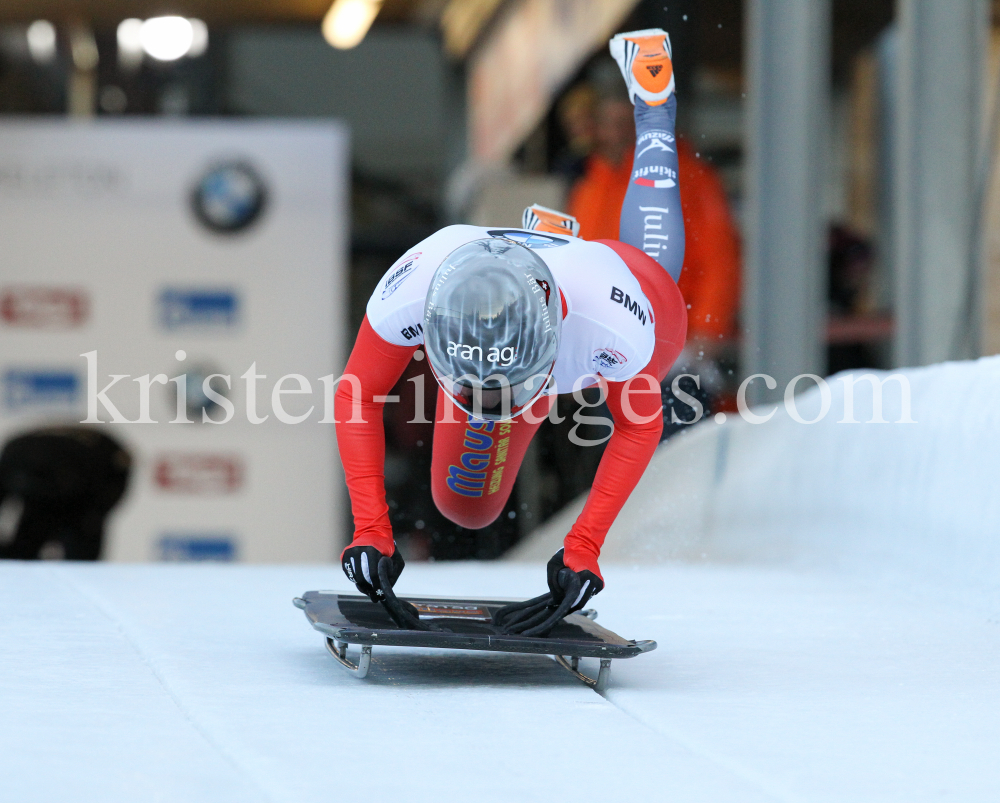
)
(651, 218)
(651, 213)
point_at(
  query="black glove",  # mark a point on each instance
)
(568, 591)
(375, 574)
(560, 580)
(361, 565)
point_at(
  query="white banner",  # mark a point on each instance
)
(169, 252)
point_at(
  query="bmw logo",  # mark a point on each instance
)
(229, 197)
(529, 239)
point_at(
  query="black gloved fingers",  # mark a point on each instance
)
(516, 606)
(518, 611)
(401, 612)
(520, 618)
(360, 564)
(571, 592)
(523, 618)
(538, 615)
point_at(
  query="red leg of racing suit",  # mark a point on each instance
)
(475, 463)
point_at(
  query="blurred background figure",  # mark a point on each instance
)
(57, 487)
(576, 112)
(850, 295)
(606, 171)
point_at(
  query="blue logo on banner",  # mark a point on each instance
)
(181, 309)
(185, 547)
(40, 387)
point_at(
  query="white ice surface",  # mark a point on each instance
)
(195, 683)
(912, 500)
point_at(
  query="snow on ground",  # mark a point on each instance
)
(201, 683)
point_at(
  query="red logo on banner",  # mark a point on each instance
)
(203, 474)
(44, 307)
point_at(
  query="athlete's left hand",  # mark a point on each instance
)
(568, 591)
(561, 581)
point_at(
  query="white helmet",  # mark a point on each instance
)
(492, 323)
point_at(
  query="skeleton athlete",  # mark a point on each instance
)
(508, 319)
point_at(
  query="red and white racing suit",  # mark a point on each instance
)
(624, 322)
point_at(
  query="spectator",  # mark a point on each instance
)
(576, 117)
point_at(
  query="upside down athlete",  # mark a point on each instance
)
(508, 319)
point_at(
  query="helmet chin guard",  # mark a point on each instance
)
(492, 325)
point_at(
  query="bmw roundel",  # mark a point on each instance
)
(529, 239)
(229, 197)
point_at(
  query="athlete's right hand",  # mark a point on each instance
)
(360, 564)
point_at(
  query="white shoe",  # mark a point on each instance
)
(644, 59)
(541, 218)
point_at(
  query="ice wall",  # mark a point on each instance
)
(918, 497)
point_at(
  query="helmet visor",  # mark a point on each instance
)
(492, 322)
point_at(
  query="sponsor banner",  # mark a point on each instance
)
(41, 387)
(198, 474)
(44, 307)
(486, 444)
(158, 245)
(198, 308)
(201, 547)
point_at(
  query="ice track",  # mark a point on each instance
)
(159, 683)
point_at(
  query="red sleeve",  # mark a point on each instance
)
(374, 367)
(629, 451)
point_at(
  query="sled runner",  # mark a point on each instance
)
(460, 624)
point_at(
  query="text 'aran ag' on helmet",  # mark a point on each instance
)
(492, 322)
